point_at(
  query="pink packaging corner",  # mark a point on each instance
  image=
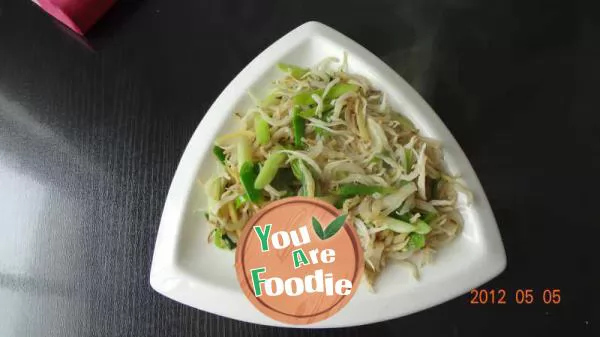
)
(78, 15)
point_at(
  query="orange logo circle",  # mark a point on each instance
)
(299, 261)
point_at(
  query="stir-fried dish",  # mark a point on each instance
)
(326, 133)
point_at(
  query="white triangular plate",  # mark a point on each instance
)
(189, 270)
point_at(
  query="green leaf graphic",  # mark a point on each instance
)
(317, 227)
(335, 226)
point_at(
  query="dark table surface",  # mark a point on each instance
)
(91, 133)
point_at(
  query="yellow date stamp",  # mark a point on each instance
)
(519, 296)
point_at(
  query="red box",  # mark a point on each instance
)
(79, 15)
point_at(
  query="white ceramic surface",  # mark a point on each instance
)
(189, 270)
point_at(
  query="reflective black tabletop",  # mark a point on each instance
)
(91, 132)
